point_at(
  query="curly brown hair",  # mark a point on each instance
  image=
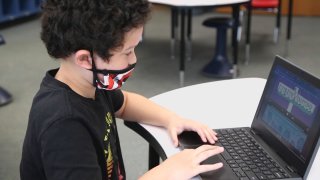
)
(96, 25)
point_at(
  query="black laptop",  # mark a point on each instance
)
(283, 138)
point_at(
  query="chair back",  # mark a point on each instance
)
(264, 3)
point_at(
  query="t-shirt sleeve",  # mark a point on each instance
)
(67, 152)
(117, 99)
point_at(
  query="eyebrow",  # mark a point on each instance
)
(130, 47)
(133, 46)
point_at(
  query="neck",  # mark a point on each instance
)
(71, 76)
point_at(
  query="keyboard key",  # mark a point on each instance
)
(226, 155)
(286, 175)
(261, 176)
(244, 178)
(243, 165)
(245, 169)
(231, 161)
(256, 170)
(271, 176)
(234, 165)
(251, 175)
(267, 172)
(223, 131)
(278, 175)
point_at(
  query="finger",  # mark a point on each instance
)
(202, 135)
(208, 153)
(209, 167)
(174, 137)
(214, 132)
(205, 147)
(210, 136)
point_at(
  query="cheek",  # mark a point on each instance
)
(117, 62)
(100, 77)
(133, 58)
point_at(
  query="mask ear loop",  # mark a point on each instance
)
(95, 75)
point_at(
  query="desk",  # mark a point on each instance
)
(233, 103)
(185, 6)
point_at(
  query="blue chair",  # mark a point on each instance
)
(219, 66)
(5, 97)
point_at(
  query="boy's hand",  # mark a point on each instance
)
(177, 125)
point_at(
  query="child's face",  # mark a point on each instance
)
(125, 55)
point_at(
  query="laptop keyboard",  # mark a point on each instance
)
(246, 157)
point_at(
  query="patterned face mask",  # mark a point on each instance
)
(112, 79)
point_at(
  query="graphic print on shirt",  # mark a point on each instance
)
(107, 151)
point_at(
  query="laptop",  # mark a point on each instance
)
(284, 135)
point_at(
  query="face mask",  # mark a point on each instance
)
(112, 79)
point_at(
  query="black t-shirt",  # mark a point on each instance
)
(70, 136)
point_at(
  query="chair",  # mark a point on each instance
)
(2, 41)
(219, 66)
(267, 5)
(5, 97)
(272, 6)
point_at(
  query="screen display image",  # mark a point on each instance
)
(290, 109)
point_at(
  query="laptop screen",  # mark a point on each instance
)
(288, 113)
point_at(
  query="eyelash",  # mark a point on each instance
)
(128, 53)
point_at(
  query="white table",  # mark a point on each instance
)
(220, 104)
(185, 7)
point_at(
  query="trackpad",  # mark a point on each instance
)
(191, 140)
(223, 173)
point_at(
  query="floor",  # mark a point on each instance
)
(24, 62)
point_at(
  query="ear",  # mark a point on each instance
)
(83, 59)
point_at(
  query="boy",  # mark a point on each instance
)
(72, 132)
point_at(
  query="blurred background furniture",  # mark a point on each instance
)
(2, 41)
(11, 10)
(183, 8)
(5, 97)
(14, 9)
(219, 66)
(274, 5)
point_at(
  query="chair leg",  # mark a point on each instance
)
(276, 33)
(189, 32)
(241, 23)
(286, 51)
(174, 31)
(248, 31)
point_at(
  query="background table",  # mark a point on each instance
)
(184, 7)
(220, 104)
